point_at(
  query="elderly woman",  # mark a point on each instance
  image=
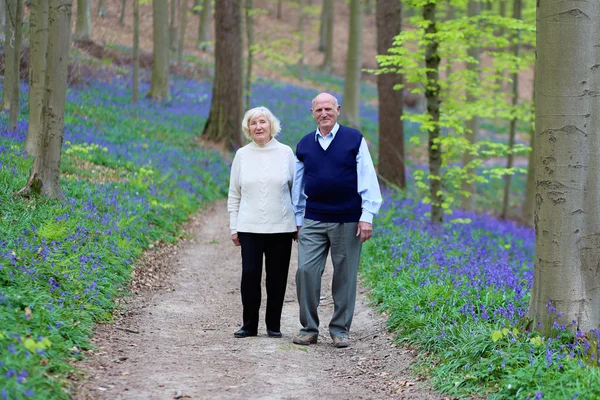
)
(261, 218)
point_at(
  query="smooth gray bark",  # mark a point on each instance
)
(351, 107)
(472, 125)
(328, 28)
(102, 8)
(567, 147)
(182, 28)
(122, 17)
(136, 51)
(83, 25)
(250, 58)
(38, 19)
(301, 40)
(44, 178)
(159, 88)
(513, 122)
(204, 26)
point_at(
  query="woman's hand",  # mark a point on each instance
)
(235, 239)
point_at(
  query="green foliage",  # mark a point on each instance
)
(465, 92)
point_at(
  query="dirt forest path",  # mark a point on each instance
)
(174, 339)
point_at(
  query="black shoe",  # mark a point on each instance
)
(242, 333)
(275, 334)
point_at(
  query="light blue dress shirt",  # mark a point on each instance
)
(368, 186)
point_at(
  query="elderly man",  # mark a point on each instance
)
(335, 196)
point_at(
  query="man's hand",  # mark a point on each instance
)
(235, 239)
(365, 231)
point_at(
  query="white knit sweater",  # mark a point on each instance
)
(259, 189)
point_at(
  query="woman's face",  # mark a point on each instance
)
(260, 129)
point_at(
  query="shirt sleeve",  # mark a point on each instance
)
(298, 195)
(235, 194)
(368, 185)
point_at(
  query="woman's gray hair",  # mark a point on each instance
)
(255, 112)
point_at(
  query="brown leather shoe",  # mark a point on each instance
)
(341, 342)
(305, 339)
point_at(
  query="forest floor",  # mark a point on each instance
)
(174, 338)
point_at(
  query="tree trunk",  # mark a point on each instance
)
(328, 12)
(513, 122)
(173, 27)
(250, 42)
(432, 94)
(122, 17)
(567, 147)
(279, 9)
(83, 25)
(204, 26)
(322, 28)
(15, 88)
(180, 47)
(136, 51)
(159, 88)
(102, 8)
(9, 54)
(45, 173)
(225, 114)
(391, 129)
(301, 40)
(529, 204)
(38, 20)
(472, 125)
(351, 107)
(2, 20)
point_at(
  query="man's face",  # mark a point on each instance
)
(325, 112)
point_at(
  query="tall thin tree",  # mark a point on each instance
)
(513, 121)
(102, 8)
(122, 17)
(136, 51)
(15, 13)
(351, 106)
(83, 24)
(182, 28)
(301, 39)
(225, 113)
(45, 173)
(250, 58)
(432, 95)
(204, 25)
(472, 124)
(328, 33)
(38, 21)
(159, 88)
(392, 165)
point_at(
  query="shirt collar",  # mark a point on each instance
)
(332, 133)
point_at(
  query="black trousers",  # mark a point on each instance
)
(277, 250)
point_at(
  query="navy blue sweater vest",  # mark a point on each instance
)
(330, 177)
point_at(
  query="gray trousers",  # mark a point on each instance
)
(314, 241)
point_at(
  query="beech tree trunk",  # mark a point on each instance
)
(15, 41)
(44, 178)
(102, 8)
(472, 125)
(38, 19)
(226, 114)
(173, 27)
(83, 25)
(301, 40)
(351, 107)
(328, 32)
(159, 88)
(391, 129)
(183, 26)
(122, 17)
(204, 26)
(513, 122)
(432, 94)
(136, 51)
(250, 58)
(567, 158)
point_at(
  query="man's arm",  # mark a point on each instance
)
(368, 189)
(298, 195)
